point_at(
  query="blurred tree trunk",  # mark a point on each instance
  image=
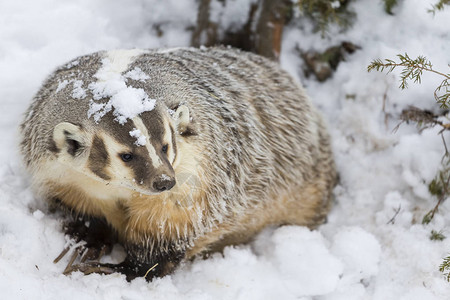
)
(205, 33)
(261, 34)
(269, 30)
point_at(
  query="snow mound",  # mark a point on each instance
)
(360, 252)
(305, 264)
(286, 263)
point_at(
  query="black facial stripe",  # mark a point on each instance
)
(141, 166)
(174, 144)
(99, 158)
(155, 125)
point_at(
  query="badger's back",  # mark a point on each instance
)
(63, 97)
(263, 146)
(258, 131)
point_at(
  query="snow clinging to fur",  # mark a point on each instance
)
(140, 138)
(125, 101)
(137, 74)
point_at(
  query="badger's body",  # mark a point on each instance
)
(182, 151)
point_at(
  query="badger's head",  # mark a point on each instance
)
(139, 155)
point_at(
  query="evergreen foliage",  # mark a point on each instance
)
(413, 70)
(324, 12)
(445, 268)
(389, 5)
(437, 6)
(439, 187)
(437, 235)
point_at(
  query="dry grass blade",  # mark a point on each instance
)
(61, 255)
(90, 268)
(149, 270)
(69, 267)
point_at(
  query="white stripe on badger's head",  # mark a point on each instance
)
(156, 160)
(119, 60)
(169, 139)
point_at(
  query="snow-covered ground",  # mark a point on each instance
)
(358, 254)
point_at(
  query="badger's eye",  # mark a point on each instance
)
(164, 148)
(126, 157)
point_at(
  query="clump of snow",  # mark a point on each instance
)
(126, 102)
(165, 177)
(335, 4)
(78, 91)
(311, 269)
(137, 74)
(62, 85)
(141, 140)
(360, 251)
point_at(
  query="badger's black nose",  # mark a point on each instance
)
(164, 183)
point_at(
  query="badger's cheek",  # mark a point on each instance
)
(142, 186)
(130, 185)
(137, 185)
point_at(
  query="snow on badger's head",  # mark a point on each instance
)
(125, 101)
(131, 142)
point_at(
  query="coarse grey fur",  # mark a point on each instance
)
(257, 135)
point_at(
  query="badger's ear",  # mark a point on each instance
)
(69, 138)
(182, 118)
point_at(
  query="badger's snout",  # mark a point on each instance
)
(163, 183)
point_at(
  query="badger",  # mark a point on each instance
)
(176, 153)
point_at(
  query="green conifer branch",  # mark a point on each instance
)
(442, 93)
(413, 70)
(445, 267)
(437, 236)
(389, 5)
(439, 187)
(324, 12)
(438, 6)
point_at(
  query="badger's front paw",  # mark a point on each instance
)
(90, 238)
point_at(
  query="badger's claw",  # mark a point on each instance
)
(89, 257)
(130, 270)
(86, 253)
(91, 241)
(89, 268)
(85, 266)
(94, 238)
(61, 255)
